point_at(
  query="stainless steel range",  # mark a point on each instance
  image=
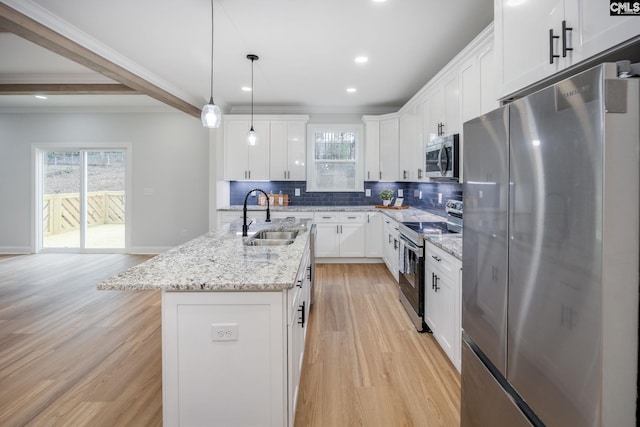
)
(411, 263)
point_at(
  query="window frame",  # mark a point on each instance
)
(357, 129)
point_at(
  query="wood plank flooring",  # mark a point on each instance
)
(74, 356)
(71, 355)
(365, 364)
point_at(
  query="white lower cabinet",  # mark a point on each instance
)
(443, 300)
(391, 243)
(373, 235)
(233, 356)
(340, 234)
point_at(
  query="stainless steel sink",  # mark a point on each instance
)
(276, 235)
(268, 242)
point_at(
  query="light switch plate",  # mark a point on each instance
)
(297, 191)
(400, 192)
(367, 192)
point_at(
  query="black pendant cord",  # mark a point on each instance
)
(252, 57)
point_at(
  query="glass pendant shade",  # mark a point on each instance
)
(252, 137)
(211, 115)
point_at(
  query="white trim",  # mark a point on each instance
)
(15, 250)
(148, 250)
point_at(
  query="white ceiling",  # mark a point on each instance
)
(306, 48)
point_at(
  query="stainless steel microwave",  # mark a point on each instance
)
(442, 158)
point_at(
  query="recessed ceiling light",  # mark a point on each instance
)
(379, 1)
(351, 89)
(361, 59)
(41, 97)
(246, 88)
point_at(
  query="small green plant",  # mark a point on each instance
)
(386, 194)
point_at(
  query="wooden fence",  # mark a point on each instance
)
(61, 212)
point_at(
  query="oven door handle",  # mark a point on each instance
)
(413, 248)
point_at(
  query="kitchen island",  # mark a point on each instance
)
(233, 325)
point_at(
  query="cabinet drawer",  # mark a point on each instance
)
(326, 217)
(351, 217)
(441, 260)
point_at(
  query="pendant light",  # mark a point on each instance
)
(252, 136)
(211, 115)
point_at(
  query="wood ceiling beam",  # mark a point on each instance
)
(29, 29)
(67, 89)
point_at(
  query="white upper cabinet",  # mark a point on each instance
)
(477, 83)
(381, 148)
(535, 39)
(443, 113)
(410, 143)
(288, 150)
(244, 161)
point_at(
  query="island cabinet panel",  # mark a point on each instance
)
(239, 382)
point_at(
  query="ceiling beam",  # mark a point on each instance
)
(29, 29)
(66, 89)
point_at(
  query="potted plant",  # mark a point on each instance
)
(386, 196)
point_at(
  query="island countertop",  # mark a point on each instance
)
(219, 261)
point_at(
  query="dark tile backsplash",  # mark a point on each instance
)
(429, 200)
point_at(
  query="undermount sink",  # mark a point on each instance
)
(268, 242)
(272, 238)
(276, 235)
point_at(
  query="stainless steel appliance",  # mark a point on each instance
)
(442, 159)
(411, 277)
(550, 261)
(411, 265)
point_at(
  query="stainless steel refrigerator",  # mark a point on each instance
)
(550, 257)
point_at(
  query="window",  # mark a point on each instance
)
(335, 158)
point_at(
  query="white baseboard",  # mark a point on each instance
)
(148, 250)
(15, 250)
(331, 260)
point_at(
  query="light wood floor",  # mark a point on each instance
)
(74, 356)
(365, 364)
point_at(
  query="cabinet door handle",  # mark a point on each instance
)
(436, 258)
(551, 38)
(564, 38)
(245, 174)
(285, 174)
(395, 244)
(419, 173)
(301, 310)
(437, 288)
(309, 272)
(380, 174)
(433, 280)
(299, 283)
(368, 175)
(404, 174)
(389, 238)
(326, 217)
(352, 217)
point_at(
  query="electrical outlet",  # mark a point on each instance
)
(224, 332)
(400, 192)
(367, 192)
(253, 194)
(297, 191)
(420, 195)
(439, 198)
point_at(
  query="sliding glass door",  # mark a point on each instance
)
(82, 200)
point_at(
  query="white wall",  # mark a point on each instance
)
(170, 154)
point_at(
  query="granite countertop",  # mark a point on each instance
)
(219, 261)
(450, 243)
